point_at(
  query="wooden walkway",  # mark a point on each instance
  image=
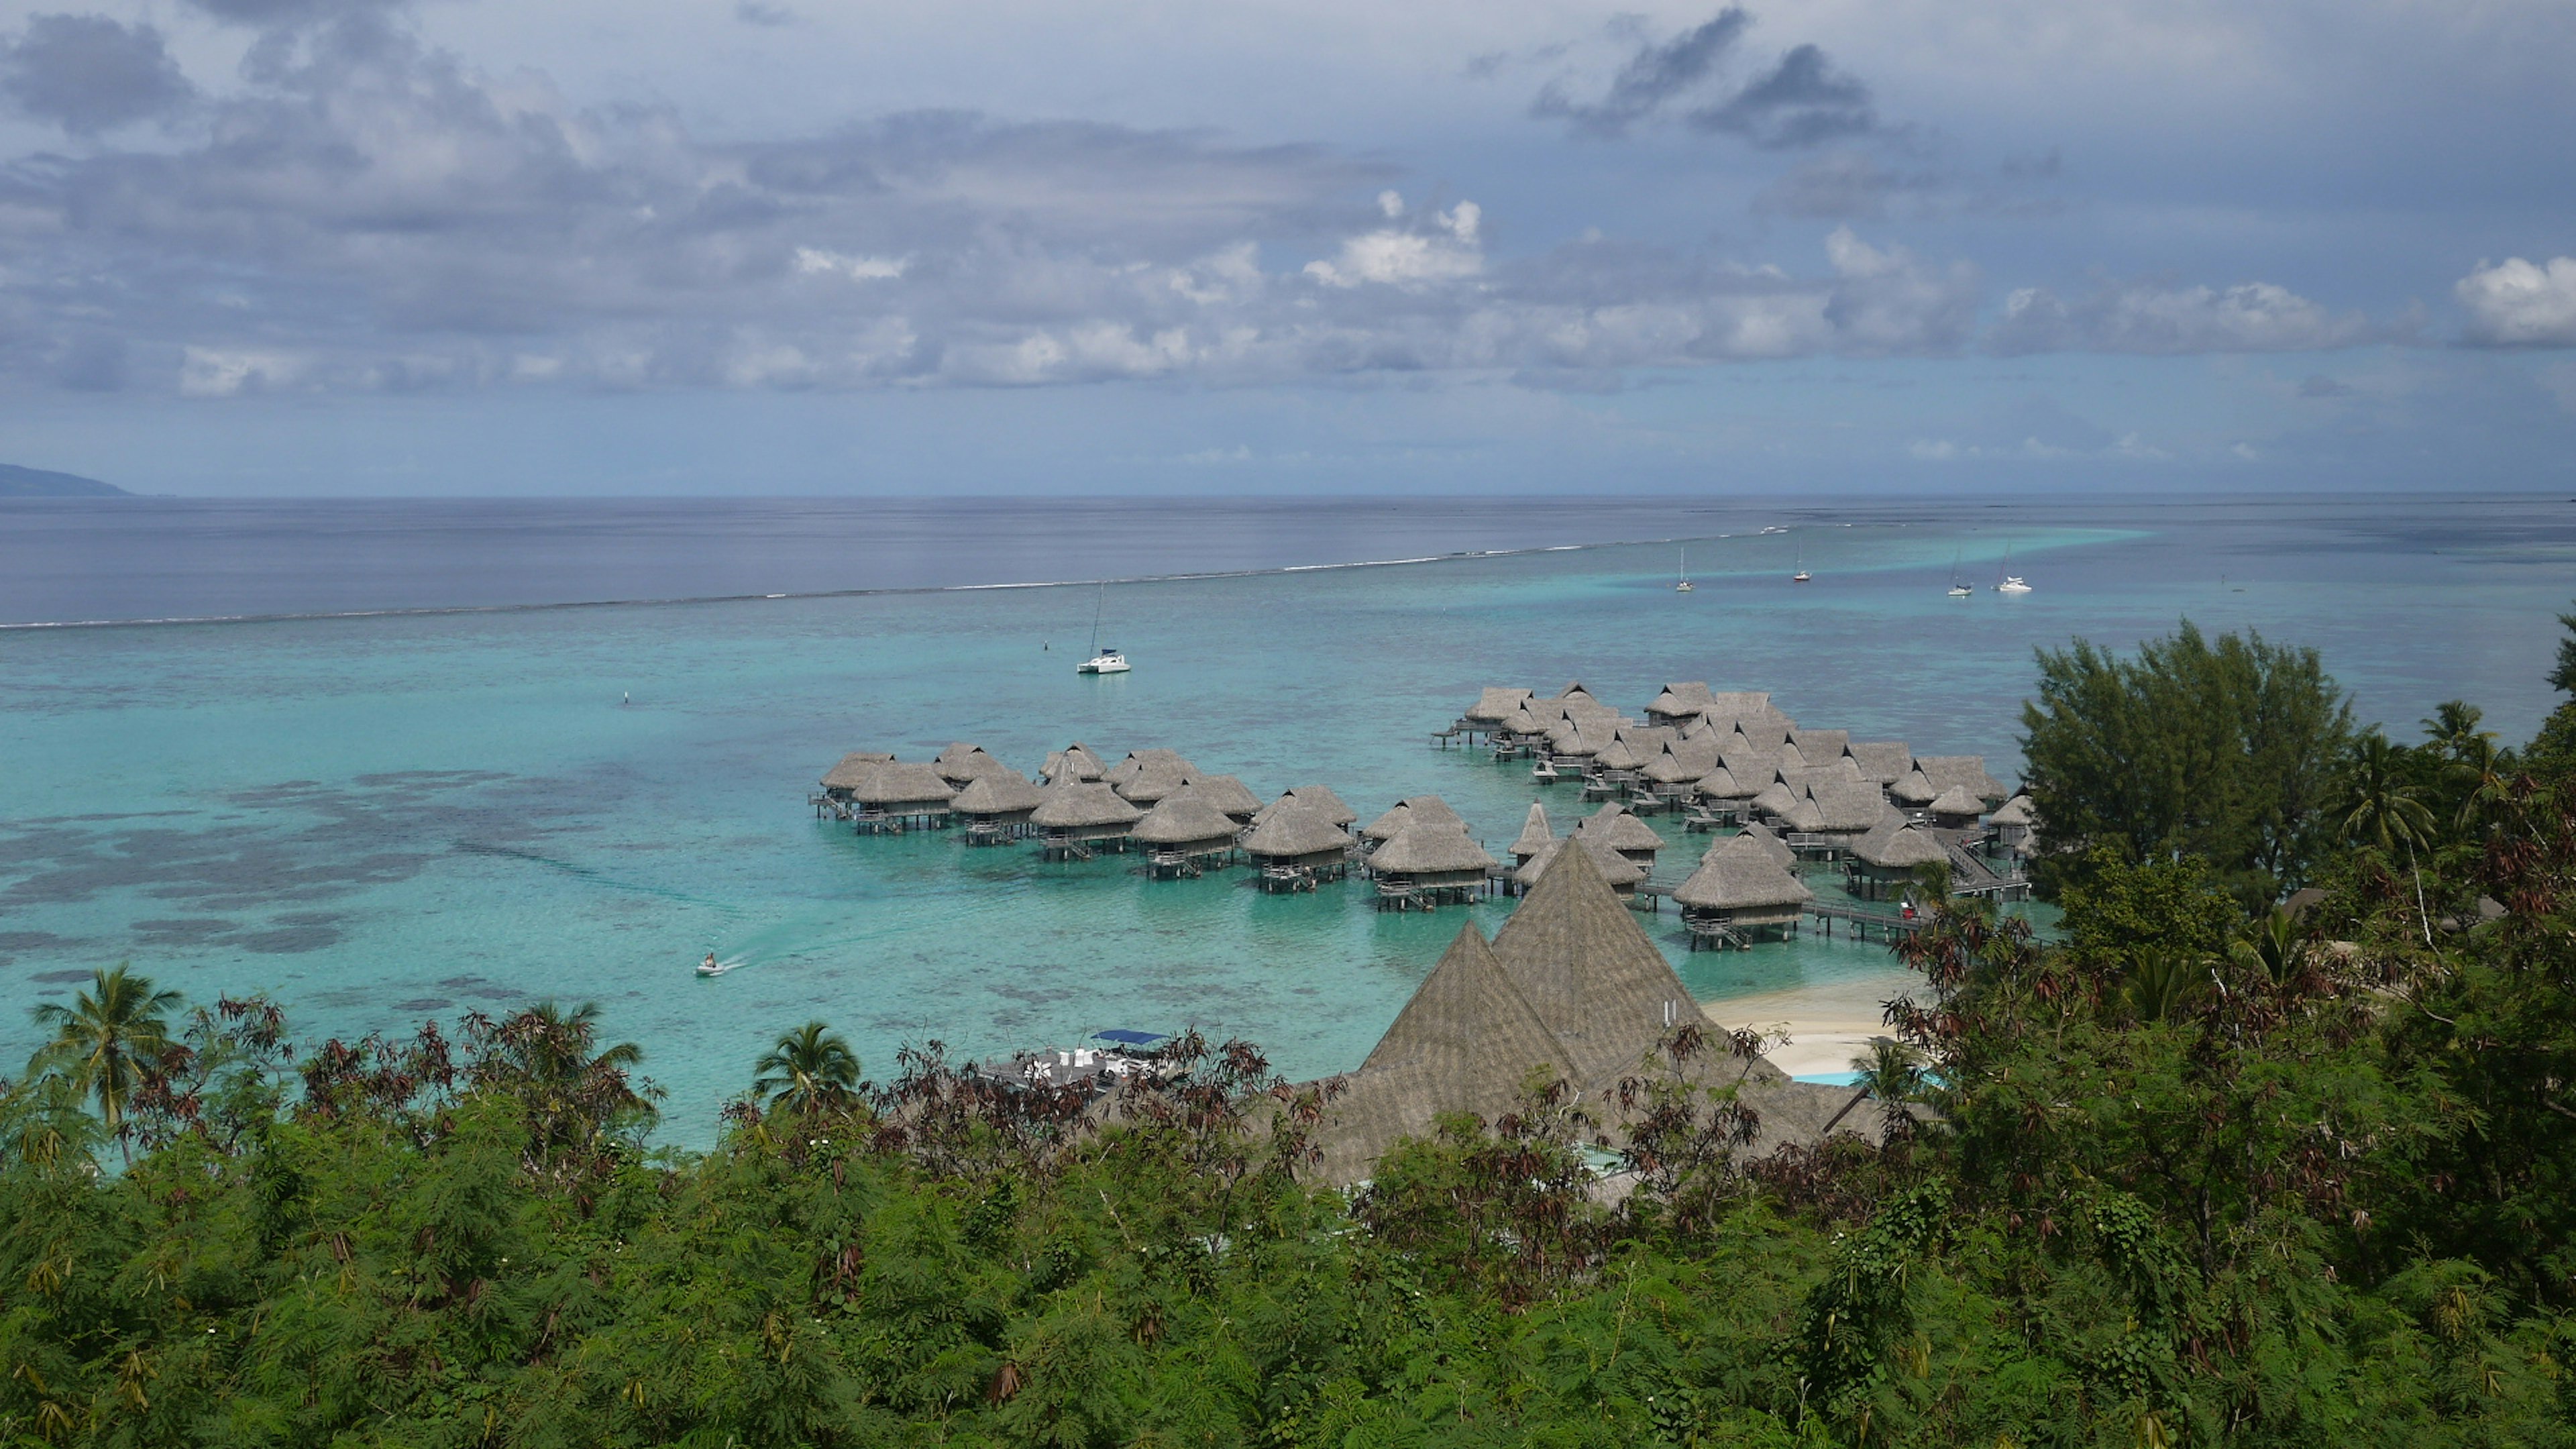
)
(1862, 922)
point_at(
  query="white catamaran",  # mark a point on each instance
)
(1102, 661)
(2012, 582)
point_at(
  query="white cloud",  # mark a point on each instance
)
(810, 260)
(2521, 304)
(219, 372)
(2145, 318)
(1445, 252)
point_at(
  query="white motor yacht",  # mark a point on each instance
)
(1107, 661)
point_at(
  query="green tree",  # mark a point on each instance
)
(108, 1038)
(2226, 750)
(2378, 807)
(2121, 911)
(810, 1067)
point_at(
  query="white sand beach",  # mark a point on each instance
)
(1827, 1025)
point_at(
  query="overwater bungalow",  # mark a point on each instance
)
(1493, 706)
(1633, 839)
(1151, 785)
(853, 767)
(1679, 704)
(1621, 874)
(1183, 836)
(962, 762)
(895, 795)
(1075, 763)
(1849, 807)
(1535, 837)
(1429, 862)
(1321, 800)
(1405, 812)
(1965, 771)
(1883, 862)
(1805, 825)
(1821, 746)
(1775, 800)
(1761, 838)
(1740, 894)
(1881, 762)
(1078, 818)
(996, 808)
(1839, 771)
(2015, 825)
(1915, 791)
(1227, 793)
(1956, 809)
(1296, 846)
(1668, 779)
(1574, 693)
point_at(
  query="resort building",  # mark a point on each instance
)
(1679, 704)
(1296, 847)
(1740, 894)
(1318, 798)
(854, 766)
(1227, 793)
(996, 808)
(962, 762)
(1077, 819)
(1956, 809)
(1405, 812)
(1880, 762)
(895, 795)
(1429, 862)
(2015, 825)
(1183, 836)
(1075, 763)
(1883, 862)
(1617, 871)
(1631, 838)
(1535, 837)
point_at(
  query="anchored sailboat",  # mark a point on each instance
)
(2012, 582)
(1102, 661)
(1801, 576)
(1958, 588)
(1683, 584)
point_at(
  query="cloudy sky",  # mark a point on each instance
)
(764, 246)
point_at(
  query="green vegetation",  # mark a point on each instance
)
(2200, 1175)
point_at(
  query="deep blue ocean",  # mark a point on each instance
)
(452, 756)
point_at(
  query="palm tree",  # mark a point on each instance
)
(2379, 807)
(2453, 729)
(544, 1056)
(2158, 984)
(2270, 946)
(1892, 1074)
(810, 1067)
(106, 1038)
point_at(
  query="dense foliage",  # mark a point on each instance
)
(2196, 1175)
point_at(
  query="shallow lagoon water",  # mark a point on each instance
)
(388, 819)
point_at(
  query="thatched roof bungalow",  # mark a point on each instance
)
(1756, 838)
(1535, 837)
(1318, 798)
(1881, 762)
(1680, 703)
(1075, 816)
(1429, 859)
(1227, 793)
(1820, 745)
(1297, 837)
(1775, 800)
(1151, 785)
(1966, 771)
(853, 767)
(900, 788)
(962, 762)
(1916, 791)
(1624, 833)
(1740, 889)
(2016, 823)
(1003, 799)
(1496, 705)
(1849, 807)
(1956, 808)
(1620, 873)
(1883, 861)
(1721, 784)
(1182, 833)
(1405, 812)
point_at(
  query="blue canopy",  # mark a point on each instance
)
(1125, 1037)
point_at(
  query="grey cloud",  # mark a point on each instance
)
(1654, 75)
(87, 73)
(2161, 318)
(1801, 101)
(1844, 186)
(754, 12)
(268, 14)
(2319, 385)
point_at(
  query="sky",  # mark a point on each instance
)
(366, 247)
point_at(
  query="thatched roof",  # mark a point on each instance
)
(1760, 840)
(1803, 817)
(1914, 789)
(1138, 762)
(1407, 811)
(1965, 771)
(1793, 758)
(1699, 752)
(1429, 846)
(1585, 741)
(1523, 722)
(1614, 868)
(1841, 772)
(1151, 785)
(1776, 799)
(1739, 880)
(1582, 962)
(1754, 767)
(1764, 732)
(1003, 794)
(1074, 805)
(1679, 700)
(1619, 754)
(1897, 844)
(962, 762)
(1535, 834)
(1847, 805)
(1576, 691)
(1958, 800)
(1226, 793)
(1497, 704)
(1820, 745)
(1721, 784)
(1324, 802)
(1649, 738)
(1086, 762)
(853, 766)
(898, 783)
(1185, 820)
(1621, 831)
(2016, 811)
(1668, 769)
(1741, 703)
(1294, 830)
(1881, 762)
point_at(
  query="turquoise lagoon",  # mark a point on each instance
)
(385, 820)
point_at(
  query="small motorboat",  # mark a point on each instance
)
(713, 967)
(1107, 661)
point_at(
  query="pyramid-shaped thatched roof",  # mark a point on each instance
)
(1619, 754)
(1185, 820)
(1741, 703)
(1754, 767)
(1084, 761)
(1881, 762)
(1740, 879)
(1847, 805)
(1668, 769)
(1522, 722)
(1138, 762)
(1292, 830)
(1150, 785)
(1615, 869)
(1966, 771)
(1078, 804)
(2016, 811)
(1758, 838)
(897, 783)
(1957, 800)
(1721, 784)
(1430, 846)
(1915, 789)
(1897, 844)
(1577, 954)
(1820, 745)
(1699, 752)
(1405, 812)
(1320, 799)
(1535, 833)
(1464, 1013)
(1576, 691)
(1687, 698)
(853, 767)
(1803, 817)
(1226, 793)
(1003, 794)
(1615, 827)
(962, 762)
(1497, 704)
(1776, 799)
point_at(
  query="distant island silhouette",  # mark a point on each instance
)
(17, 482)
